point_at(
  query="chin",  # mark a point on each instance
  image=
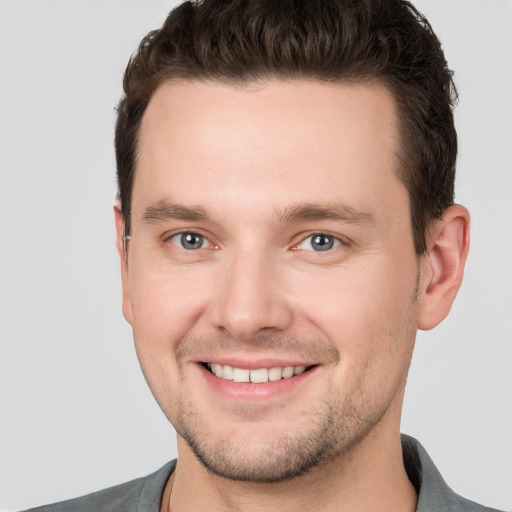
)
(265, 455)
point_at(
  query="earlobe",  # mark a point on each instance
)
(443, 266)
(123, 258)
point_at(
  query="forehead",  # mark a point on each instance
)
(272, 142)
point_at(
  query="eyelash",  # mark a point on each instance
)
(194, 233)
(334, 241)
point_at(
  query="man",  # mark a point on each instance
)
(285, 225)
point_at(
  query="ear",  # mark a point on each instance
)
(443, 266)
(123, 258)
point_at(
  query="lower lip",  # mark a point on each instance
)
(252, 391)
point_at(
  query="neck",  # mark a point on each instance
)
(371, 477)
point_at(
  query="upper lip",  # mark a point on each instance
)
(255, 363)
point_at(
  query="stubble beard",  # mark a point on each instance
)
(338, 421)
(331, 432)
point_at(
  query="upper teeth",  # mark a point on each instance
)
(224, 371)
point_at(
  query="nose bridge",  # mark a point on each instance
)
(250, 300)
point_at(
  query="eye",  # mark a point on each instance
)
(190, 241)
(319, 242)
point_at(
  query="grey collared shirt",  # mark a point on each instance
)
(145, 494)
(433, 492)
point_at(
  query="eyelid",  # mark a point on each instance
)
(169, 235)
(342, 241)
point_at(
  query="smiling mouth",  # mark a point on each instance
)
(257, 376)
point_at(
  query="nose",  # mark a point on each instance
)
(250, 301)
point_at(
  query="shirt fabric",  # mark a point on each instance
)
(145, 494)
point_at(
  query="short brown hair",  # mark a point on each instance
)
(240, 41)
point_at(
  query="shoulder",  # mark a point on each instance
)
(142, 494)
(433, 492)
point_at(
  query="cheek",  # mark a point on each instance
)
(368, 315)
(165, 307)
(166, 296)
(359, 306)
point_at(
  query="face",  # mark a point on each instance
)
(271, 277)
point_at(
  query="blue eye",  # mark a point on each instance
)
(319, 242)
(190, 241)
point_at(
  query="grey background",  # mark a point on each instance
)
(75, 412)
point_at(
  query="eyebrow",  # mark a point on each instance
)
(324, 211)
(165, 210)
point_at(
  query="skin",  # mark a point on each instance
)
(256, 176)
